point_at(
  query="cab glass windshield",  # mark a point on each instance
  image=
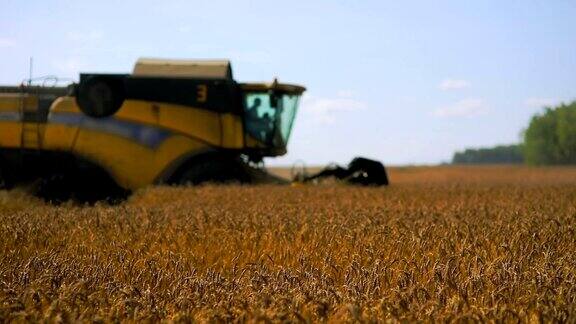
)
(269, 116)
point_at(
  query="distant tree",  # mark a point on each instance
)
(495, 155)
(551, 136)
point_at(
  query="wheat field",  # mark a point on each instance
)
(441, 243)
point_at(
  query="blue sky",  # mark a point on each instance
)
(406, 82)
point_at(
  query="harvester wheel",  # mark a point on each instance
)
(215, 169)
(6, 181)
(3, 183)
(55, 189)
(100, 97)
(79, 187)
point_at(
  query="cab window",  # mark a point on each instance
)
(260, 116)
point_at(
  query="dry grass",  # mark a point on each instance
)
(491, 243)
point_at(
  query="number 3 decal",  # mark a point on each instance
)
(202, 92)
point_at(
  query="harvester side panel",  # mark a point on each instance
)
(143, 139)
(12, 107)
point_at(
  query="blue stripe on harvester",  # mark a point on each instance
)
(10, 116)
(144, 134)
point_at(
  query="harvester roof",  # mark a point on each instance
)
(212, 69)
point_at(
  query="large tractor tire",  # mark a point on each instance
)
(6, 181)
(215, 169)
(3, 181)
(82, 187)
(100, 97)
(55, 189)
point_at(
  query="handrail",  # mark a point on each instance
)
(40, 90)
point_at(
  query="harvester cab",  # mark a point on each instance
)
(269, 111)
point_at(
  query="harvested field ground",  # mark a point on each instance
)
(442, 243)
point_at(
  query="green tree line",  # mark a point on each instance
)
(549, 139)
(498, 154)
(551, 136)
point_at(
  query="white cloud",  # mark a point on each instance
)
(184, 28)
(541, 102)
(70, 67)
(345, 93)
(464, 108)
(324, 110)
(453, 84)
(90, 36)
(82, 42)
(250, 57)
(7, 42)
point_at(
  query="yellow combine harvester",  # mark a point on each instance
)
(170, 121)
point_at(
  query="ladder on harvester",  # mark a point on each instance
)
(30, 137)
